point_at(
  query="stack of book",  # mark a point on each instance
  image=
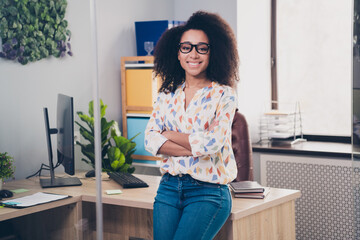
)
(249, 189)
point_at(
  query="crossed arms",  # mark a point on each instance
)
(178, 143)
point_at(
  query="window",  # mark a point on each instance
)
(313, 52)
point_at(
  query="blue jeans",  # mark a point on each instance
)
(186, 208)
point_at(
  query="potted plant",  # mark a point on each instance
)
(7, 168)
(116, 150)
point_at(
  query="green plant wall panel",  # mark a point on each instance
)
(31, 30)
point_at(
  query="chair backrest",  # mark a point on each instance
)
(241, 145)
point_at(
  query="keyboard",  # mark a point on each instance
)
(127, 180)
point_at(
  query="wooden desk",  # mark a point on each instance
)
(130, 213)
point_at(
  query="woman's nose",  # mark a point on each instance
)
(194, 53)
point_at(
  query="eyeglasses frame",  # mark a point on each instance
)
(196, 47)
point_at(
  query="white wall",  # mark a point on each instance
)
(25, 90)
(253, 22)
(225, 8)
(254, 49)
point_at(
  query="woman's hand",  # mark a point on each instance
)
(181, 139)
(170, 148)
(167, 134)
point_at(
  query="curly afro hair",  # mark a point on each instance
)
(223, 62)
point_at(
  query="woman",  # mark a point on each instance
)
(190, 127)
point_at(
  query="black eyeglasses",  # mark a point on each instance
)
(201, 48)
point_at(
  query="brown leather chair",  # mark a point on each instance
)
(241, 145)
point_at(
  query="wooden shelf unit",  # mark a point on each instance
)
(137, 97)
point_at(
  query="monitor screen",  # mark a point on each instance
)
(65, 134)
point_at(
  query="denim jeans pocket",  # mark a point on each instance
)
(164, 178)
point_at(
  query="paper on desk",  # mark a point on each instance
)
(34, 199)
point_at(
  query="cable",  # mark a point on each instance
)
(43, 167)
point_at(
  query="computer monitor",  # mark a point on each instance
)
(65, 144)
(65, 134)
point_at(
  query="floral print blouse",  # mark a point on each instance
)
(213, 158)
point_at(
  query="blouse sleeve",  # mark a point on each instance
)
(153, 137)
(209, 142)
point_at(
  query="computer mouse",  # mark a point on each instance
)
(6, 193)
(90, 173)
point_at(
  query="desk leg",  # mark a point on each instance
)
(80, 225)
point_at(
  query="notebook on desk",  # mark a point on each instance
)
(32, 200)
(246, 187)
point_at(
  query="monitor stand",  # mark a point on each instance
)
(59, 182)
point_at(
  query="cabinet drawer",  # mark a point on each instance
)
(141, 88)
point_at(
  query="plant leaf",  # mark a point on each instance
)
(104, 150)
(102, 108)
(115, 165)
(105, 126)
(87, 135)
(131, 169)
(114, 154)
(87, 119)
(125, 167)
(88, 151)
(131, 139)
